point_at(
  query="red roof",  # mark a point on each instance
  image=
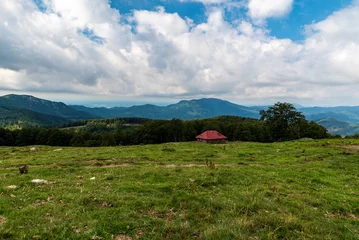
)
(211, 135)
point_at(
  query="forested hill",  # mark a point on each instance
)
(24, 118)
(42, 106)
(185, 110)
(23, 111)
(337, 127)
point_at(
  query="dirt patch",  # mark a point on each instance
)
(2, 220)
(356, 147)
(153, 213)
(20, 165)
(122, 237)
(97, 160)
(342, 216)
(113, 165)
(133, 165)
(159, 165)
(194, 165)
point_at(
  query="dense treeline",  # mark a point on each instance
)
(110, 121)
(161, 131)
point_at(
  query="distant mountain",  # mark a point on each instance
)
(191, 109)
(42, 106)
(19, 111)
(347, 114)
(335, 126)
(329, 115)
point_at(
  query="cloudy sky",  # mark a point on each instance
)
(247, 51)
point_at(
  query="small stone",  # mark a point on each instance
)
(11, 187)
(39, 181)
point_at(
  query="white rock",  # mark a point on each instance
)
(39, 181)
(93, 178)
(11, 187)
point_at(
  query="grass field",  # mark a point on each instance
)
(289, 190)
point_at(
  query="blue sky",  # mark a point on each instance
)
(289, 26)
(304, 12)
(251, 52)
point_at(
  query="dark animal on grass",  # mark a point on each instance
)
(210, 164)
(24, 169)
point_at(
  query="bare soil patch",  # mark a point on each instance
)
(122, 237)
(2, 220)
(113, 165)
(160, 165)
(338, 215)
(356, 147)
(193, 165)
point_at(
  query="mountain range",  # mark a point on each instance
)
(18, 111)
(185, 110)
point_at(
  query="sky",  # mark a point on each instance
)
(251, 52)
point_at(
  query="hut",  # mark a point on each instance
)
(211, 136)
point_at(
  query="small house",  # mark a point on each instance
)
(211, 136)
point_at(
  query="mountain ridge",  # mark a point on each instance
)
(43, 106)
(23, 111)
(185, 109)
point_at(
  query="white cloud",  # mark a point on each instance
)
(162, 55)
(160, 21)
(259, 10)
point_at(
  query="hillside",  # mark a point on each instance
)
(22, 111)
(347, 114)
(335, 126)
(42, 106)
(24, 118)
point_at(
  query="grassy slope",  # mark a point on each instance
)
(305, 190)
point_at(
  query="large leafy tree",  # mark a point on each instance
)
(283, 121)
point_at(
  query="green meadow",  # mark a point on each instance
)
(240, 190)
